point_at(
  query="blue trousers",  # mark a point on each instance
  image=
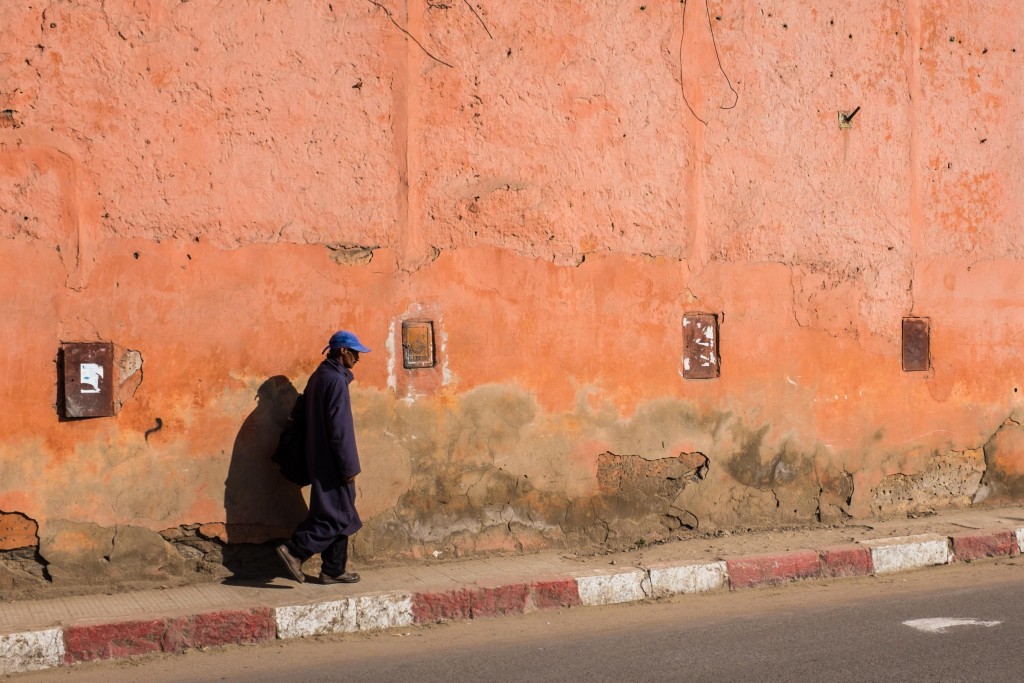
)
(334, 558)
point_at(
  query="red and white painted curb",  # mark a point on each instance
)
(359, 613)
(610, 589)
(692, 577)
(63, 646)
(31, 651)
(890, 555)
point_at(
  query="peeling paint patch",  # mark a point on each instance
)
(129, 375)
(17, 531)
(352, 254)
(8, 120)
(390, 346)
(664, 477)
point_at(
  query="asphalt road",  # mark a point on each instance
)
(849, 630)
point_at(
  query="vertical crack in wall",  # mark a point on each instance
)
(835, 496)
(916, 208)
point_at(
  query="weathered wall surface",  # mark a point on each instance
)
(555, 185)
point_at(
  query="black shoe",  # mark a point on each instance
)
(291, 563)
(347, 577)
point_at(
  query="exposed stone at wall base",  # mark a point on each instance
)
(949, 480)
(91, 554)
(484, 510)
(507, 514)
(200, 553)
(640, 500)
(22, 569)
(204, 549)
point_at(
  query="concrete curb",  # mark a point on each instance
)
(31, 651)
(611, 589)
(769, 570)
(842, 561)
(68, 645)
(697, 577)
(86, 643)
(970, 546)
(901, 554)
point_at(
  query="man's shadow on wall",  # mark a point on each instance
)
(261, 506)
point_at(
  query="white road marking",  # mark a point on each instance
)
(940, 625)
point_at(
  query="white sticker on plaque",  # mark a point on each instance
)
(91, 375)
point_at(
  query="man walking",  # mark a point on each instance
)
(333, 465)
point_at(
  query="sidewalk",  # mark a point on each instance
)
(40, 634)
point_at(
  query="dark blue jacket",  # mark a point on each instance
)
(331, 448)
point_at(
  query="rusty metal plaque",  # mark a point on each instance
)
(700, 346)
(88, 379)
(417, 344)
(916, 344)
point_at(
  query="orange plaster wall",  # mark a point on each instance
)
(220, 190)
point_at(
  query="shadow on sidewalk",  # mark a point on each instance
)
(261, 507)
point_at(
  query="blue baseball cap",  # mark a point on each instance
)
(343, 339)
